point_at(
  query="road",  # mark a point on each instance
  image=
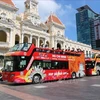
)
(87, 88)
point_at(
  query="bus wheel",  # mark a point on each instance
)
(73, 75)
(36, 79)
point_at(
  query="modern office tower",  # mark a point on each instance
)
(97, 32)
(85, 25)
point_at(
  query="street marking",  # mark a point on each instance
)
(40, 86)
(21, 95)
(59, 81)
(82, 80)
(96, 85)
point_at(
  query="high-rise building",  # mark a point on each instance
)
(85, 25)
(97, 32)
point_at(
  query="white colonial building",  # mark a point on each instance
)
(27, 27)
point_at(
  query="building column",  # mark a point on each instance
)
(38, 42)
(22, 38)
(45, 42)
(30, 41)
(11, 38)
(52, 42)
(55, 44)
(63, 45)
(8, 38)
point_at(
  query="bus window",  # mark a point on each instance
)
(98, 64)
(54, 65)
(9, 66)
(46, 65)
(89, 64)
(37, 64)
(22, 64)
(63, 65)
(59, 65)
(15, 63)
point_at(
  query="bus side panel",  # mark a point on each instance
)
(57, 74)
(77, 65)
(46, 75)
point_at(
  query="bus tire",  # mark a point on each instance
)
(73, 75)
(36, 79)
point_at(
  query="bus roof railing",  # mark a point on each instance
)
(58, 51)
(55, 51)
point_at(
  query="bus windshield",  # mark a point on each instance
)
(90, 64)
(18, 47)
(16, 63)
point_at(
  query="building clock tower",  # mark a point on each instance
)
(31, 11)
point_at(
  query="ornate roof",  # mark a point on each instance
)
(8, 2)
(54, 18)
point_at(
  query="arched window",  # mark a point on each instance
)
(58, 46)
(34, 41)
(41, 43)
(3, 36)
(25, 39)
(47, 44)
(16, 39)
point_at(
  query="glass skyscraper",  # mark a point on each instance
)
(85, 25)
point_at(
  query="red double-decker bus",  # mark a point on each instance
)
(93, 65)
(27, 63)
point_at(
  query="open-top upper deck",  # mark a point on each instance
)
(26, 49)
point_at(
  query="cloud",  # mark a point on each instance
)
(46, 7)
(67, 16)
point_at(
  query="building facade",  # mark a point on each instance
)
(97, 32)
(85, 25)
(28, 28)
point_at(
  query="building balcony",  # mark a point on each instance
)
(4, 45)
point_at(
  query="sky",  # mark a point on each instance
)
(65, 11)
